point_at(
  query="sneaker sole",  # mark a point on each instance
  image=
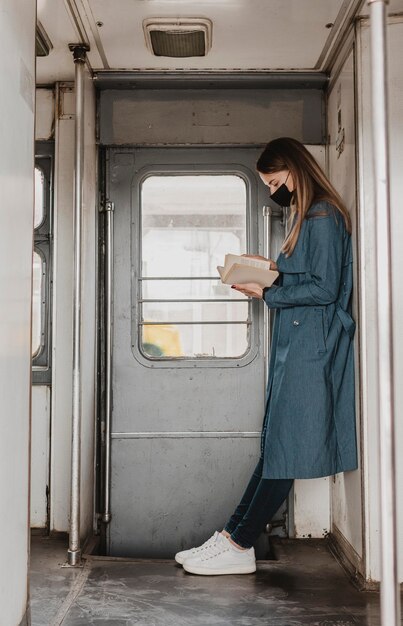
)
(194, 569)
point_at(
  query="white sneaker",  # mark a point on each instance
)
(221, 557)
(184, 554)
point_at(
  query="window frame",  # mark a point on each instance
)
(253, 318)
(43, 244)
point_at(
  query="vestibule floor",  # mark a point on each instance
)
(304, 586)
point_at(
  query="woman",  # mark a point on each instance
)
(309, 424)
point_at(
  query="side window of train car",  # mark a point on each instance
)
(42, 256)
(187, 224)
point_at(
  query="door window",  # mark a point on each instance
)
(41, 289)
(187, 225)
(37, 304)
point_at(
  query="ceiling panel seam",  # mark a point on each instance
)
(95, 33)
(74, 13)
(343, 24)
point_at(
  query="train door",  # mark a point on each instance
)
(188, 381)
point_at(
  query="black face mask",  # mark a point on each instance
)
(282, 196)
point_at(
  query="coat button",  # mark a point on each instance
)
(296, 323)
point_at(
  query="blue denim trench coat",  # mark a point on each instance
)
(309, 425)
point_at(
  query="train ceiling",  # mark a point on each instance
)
(293, 35)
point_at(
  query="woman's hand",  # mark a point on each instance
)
(253, 290)
(273, 264)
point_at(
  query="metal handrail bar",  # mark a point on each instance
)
(74, 549)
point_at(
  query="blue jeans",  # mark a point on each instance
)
(262, 498)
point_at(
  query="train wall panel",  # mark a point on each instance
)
(40, 442)
(214, 474)
(44, 114)
(17, 85)
(62, 321)
(310, 508)
(346, 500)
(240, 117)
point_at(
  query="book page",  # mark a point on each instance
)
(234, 258)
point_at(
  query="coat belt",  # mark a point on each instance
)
(346, 320)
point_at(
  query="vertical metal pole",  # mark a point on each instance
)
(109, 208)
(390, 600)
(74, 550)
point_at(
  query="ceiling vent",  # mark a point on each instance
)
(178, 37)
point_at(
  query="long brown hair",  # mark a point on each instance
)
(311, 183)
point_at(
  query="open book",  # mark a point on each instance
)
(240, 269)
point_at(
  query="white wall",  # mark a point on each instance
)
(311, 508)
(44, 113)
(40, 443)
(346, 497)
(368, 313)
(62, 320)
(17, 72)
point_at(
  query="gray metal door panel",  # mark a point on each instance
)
(185, 435)
(169, 494)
